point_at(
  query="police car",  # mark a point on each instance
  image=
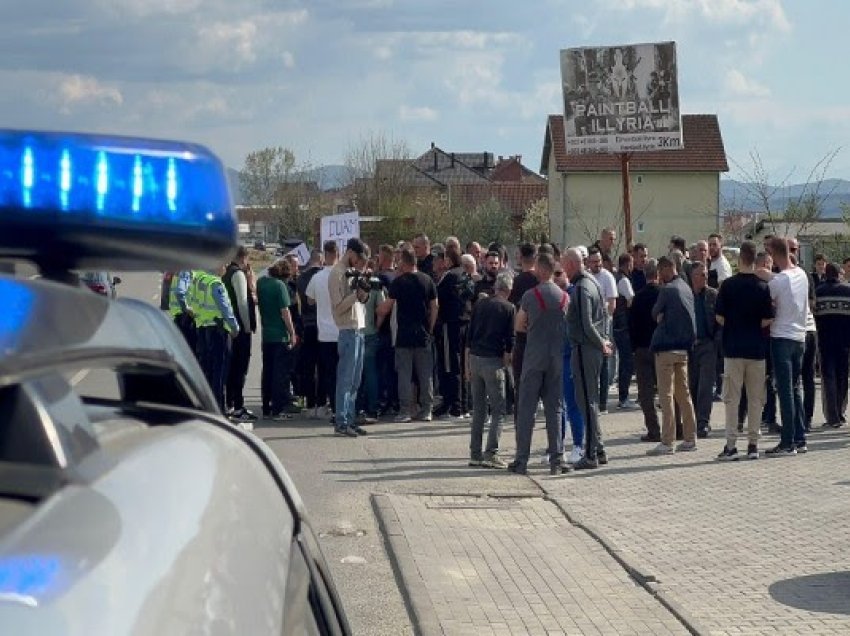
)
(147, 512)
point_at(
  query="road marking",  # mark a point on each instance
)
(79, 377)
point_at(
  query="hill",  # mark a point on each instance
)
(739, 195)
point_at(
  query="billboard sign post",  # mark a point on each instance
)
(621, 98)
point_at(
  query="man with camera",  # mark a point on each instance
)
(347, 295)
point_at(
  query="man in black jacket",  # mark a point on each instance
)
(702, 359)
(641, 327)
(449, 316)
(832, 314)
(673, 338)
(237, 285)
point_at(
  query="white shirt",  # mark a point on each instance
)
(625, 289)
(789, 290)
(723, 268)
(317, 289)
(607, 283)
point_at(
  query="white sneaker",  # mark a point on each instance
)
(576, 454)
(544, 459)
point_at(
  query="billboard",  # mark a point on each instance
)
(621, 98)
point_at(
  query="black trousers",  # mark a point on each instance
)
(274, 382)
(808, 376)
(240, 358)
(448, 366)
(834, 363)
(307, 367)
(328, 359)
(387, 376)
(213, 351)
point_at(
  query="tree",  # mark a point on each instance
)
(535, 222)
(272, 178)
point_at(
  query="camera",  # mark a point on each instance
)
(363, 281)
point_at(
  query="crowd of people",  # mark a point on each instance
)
(355, 337)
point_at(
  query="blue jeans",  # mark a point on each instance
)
(349, 369)
(369, 388)
(787, 372)
(571, 412)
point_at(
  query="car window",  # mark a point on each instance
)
(299, 609)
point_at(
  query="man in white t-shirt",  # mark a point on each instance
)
(719, 268)
(608, 285)
(789, 290)
(317, 293)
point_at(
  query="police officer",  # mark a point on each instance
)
(216, 325)
(179, 307)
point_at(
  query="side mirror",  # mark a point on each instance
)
(116, 280)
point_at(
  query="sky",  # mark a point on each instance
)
(319, 77)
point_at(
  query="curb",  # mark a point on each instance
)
(637, 570)
(420, 609)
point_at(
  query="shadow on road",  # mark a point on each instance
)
(828, 592)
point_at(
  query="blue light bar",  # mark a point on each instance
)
(145, 195)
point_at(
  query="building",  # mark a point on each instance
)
(828, 236)
(673, 191)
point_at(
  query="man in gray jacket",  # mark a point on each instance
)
(585, 326)
(673, 339)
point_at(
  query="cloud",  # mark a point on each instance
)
(725, 12)
(235, 37)
(79, 89)
(288, 59)
(739, 85)
(417, 113)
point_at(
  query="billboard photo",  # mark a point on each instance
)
(621, 98)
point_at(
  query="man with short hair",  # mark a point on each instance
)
(586, 332)
(832, 313)
(702, 358)
(424, 257)
(719, 269)
(699, 254)
(308, 353)
(387, 378)
(620, 330)
(542, 315)
(486, 285)
(744, 309)
(641, 327)
(449, 332)
(414, 295)
(347, 299)
(608, 286)
(317, 292)
(673, 338)
(789, 290)
(488, 352)
(278, 339)
(639, 256)
(605, 243)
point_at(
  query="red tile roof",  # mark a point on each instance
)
(703, 151)
(516, 197)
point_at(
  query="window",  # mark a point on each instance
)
(640, 178)
(640, 227)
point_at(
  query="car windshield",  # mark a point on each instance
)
(95, 277)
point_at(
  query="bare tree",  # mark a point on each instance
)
(378, 167)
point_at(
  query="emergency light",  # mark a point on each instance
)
(71, 200)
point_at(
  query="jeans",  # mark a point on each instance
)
(240, 358)
(787, 371)
(349, 370)
(671, 370)
(213, 350)
(626, 362)
(487, 380)
(369, 386)
(546, 384)
(274, 381)
(702, 363)
(421, 361)
(571, 411)
(585, 363)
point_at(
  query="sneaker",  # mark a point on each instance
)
(648, 437)
(602, 457)
(423, 417)
(686, 447)
(772, 428)
(661, 449)
(576, 454)
(586, 464)
(279, 417)
(801, 447)
(345, 432)
(494, 461)
(728, 454)
(780, 451)
(544, 459)
(292, 409)
(627, 405)
(560, 467)
(475, 463)
(516, 467)
(359, 430)
(703, 432)
(443, 417)
(402, 419)
(752, 451)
